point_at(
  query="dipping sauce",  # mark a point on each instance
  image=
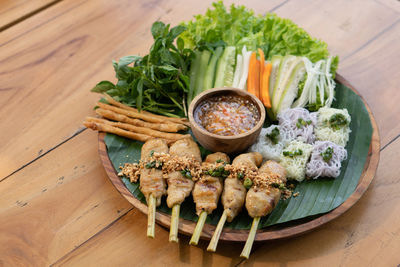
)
(227, 115)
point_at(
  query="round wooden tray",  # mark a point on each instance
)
(280, 231)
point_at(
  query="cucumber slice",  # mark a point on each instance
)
(210, 73)
(225, 68)
(291, 85)
(201, 72)
(193, 74)
(285, 69)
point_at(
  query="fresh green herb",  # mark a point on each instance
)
(240, 175)
(151, 153)
(337, 121)
(247, 183)
(219, 161)
(297, 152)
(274, 135)
(154, 164)
(157, 82)
(186, 173)
(327, 154)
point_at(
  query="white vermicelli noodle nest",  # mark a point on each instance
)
(266, 147)
(318, 167)
(288, 120)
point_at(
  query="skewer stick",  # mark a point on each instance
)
(250, 239)
(199, 228)
(173, 231)
(214, 240)
(151, 216)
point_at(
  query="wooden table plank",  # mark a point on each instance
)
(367, 235)
(12, 11)
(56, 203)
(379, 85)
(125, 243)
(49, 64)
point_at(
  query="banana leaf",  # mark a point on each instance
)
(315, 196)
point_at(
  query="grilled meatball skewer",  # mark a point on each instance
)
(207, 190)
(152, 183)
(262, 198)
(179, 186)
(233, 196)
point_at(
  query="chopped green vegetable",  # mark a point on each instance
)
(240, 175)
(327, 154)
(156, 164)
(274, 135)
(219, 172)
(291, 154)
(186, 173)
(337, 121)
(247, 183)
(300, 123)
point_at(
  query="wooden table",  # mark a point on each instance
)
(57, 205)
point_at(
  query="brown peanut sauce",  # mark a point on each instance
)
(227, 115)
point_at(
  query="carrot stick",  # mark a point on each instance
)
(262, 66)
(264, 91)
(253, 80)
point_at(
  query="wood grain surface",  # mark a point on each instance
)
(270, 233)
(49, 61)
(13, 11)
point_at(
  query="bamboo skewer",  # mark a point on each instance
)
(250, 239)
(173, 231)
(215, 238)
(199, 228)
(151, 216)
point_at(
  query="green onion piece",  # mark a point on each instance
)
(273, 136)
(327, 154)
(247, 183)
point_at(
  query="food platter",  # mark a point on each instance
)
(278, 231)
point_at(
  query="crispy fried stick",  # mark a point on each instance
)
(101, 127)
(163, 127)
(113, 102)
(134, 114)
(141, 130)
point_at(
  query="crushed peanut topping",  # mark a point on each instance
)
(192, 169)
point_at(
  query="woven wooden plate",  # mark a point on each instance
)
(280, 231)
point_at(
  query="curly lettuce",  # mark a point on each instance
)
(239, 26)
